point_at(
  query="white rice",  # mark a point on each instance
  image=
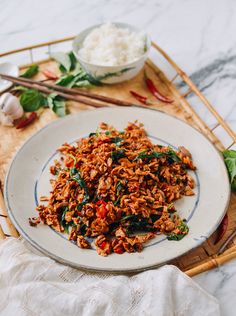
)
(109, 45)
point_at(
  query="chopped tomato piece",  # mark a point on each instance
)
(102, 211)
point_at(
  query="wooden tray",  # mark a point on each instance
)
(198, 260)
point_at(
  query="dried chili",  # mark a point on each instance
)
(27, 121)
(140, 98)
(50, 75)
(154, 91)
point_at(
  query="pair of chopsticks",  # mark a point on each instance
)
(78, 95)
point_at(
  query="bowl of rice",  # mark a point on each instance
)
(112, 52)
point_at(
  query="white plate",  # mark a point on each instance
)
(7, 69)
(28, 178)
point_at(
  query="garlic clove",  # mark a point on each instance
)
(5, 119)
(3, 100)
(10, 105)
(18, 113)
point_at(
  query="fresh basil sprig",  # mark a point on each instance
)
(73, 73)
(31, 71)
(32, 100)
(230, 162)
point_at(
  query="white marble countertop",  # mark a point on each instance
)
(198, 35)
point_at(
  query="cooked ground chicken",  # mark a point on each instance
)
(117, 188)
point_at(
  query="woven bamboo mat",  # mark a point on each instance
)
(200, 259)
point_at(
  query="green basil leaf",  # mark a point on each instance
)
(170, 155)
(231, 166)
(92, 134)
(176, 237)
(93, 81)
(119, 186)
(83, 229)
(66, 81)
(229, 153)
(112, 74)
(73, 61)
(63, 59)
(117, 140)
(31, 71)
(116, 155)
(183, 227)
(230, 162)
(71, 81)
(31, 100)
(138, 224)
(76, 176)
(63, 222)
(233, 185)
(57, 104)
(155, 217)
(133, 217)
(116, 203)
(82, 83)
(78, 70)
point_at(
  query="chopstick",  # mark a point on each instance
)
(42, 88)
(67, 93)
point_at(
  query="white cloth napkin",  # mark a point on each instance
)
(32, 285)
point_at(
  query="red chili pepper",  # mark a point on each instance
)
(222, 228)
(140, 98)
(152, 88)
(101, 209)
(27, 121)
(119, 250)
(103, 245)
(100, 202)
(69, 162)
(50, 75)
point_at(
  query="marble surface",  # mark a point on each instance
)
(198, 35)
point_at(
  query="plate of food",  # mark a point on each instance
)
(117, 189)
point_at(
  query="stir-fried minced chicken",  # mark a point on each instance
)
(118, 188)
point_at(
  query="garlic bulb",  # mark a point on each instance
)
(10, 109)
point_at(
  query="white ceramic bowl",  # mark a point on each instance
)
(7, 69)
(111, 74)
